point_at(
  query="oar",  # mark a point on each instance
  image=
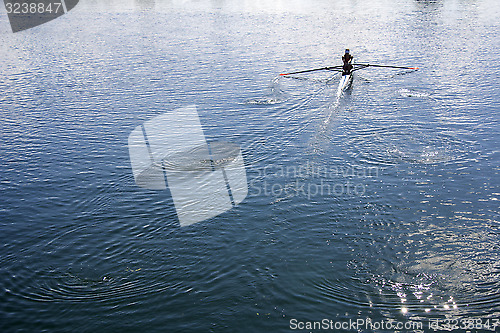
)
(402, 67)
(313, 70)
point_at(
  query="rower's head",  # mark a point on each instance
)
(346, 51)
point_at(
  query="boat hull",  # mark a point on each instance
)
(345, 83)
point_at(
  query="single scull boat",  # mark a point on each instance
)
(346, 78)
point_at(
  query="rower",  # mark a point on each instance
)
(347, 58)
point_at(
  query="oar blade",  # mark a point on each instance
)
(387, 66)
(313, 70)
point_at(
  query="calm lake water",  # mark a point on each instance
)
(381, 203)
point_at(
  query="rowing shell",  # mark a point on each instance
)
(345, 82)
(346, 79)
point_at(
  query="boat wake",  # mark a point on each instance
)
(276, 95)
(413, 93)
(264, 101)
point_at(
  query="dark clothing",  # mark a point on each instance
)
(347, 58)
(347, 68)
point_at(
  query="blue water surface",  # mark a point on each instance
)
(381, 202)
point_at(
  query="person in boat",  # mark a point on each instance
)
(347, 59)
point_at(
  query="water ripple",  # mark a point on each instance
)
(405, 144)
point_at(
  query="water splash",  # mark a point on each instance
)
(404, 92)
(276, 94)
